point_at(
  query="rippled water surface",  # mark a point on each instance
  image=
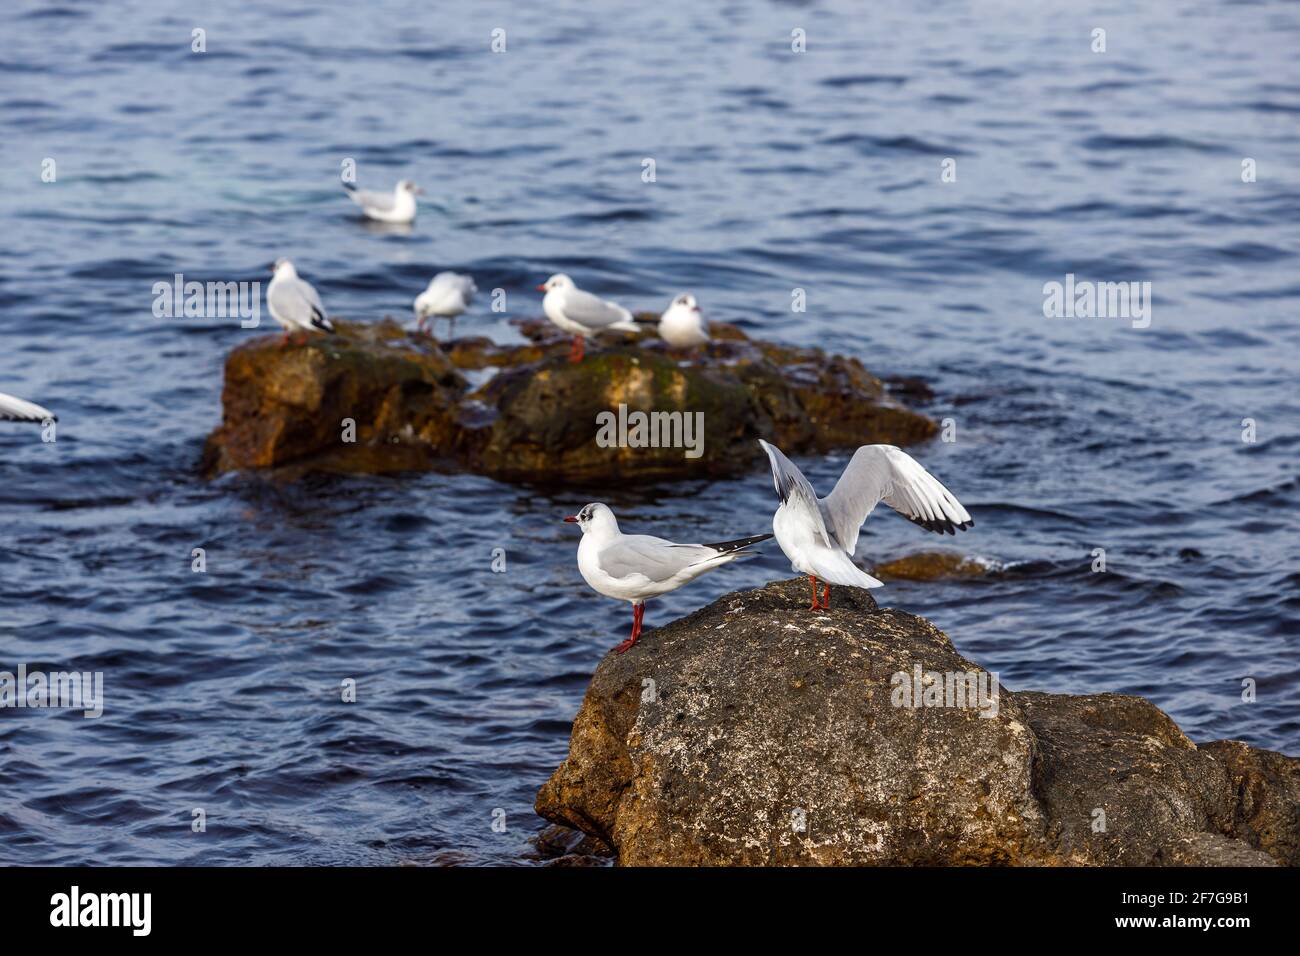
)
(774, 170)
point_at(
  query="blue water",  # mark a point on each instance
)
(774, 170)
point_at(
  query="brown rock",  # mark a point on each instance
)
(931, 566)
(755, 732)
(535, 417)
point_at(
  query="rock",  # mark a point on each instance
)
(289, 406)
(932, 566)
(562, 846)
(533, 415)
(754, 732)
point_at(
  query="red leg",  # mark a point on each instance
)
(812, 582)
(578, 349)
(826, 597)
(284, 339)
(638, 612)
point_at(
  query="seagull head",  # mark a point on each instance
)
(406, 186)
(596, 518)
(557, 281)
(283, 267)
(686, 301)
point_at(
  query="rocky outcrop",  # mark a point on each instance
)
(932, 566)
(523, 412)
(756, 732)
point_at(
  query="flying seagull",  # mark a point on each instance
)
(819, 535)
(397, 206)
(16, 410)
(682, 326)
(634, 567)
(448, 295)
(294, 303)
(580, 313)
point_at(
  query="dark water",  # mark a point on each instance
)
(774, 171)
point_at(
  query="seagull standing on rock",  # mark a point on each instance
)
(16, 410)
(399, 206)
(448, 295)
(294, 303)
(682, 326)
(580, 313)
(634, 567)
(819, 535)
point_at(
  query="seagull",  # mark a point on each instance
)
(448, 295)
(633, 567)
(819, 535)
(682, 326)
(580, 313)
(398, 207)
(294, 303)
(16, 410)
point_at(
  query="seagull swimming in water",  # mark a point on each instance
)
(580, 313)
(634, 567)
(397, 206)
(294, 303)
(682, 326)
(448, 295)
(17, 410)
(819, 535)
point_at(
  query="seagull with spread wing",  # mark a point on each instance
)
(819, 535)
(634, 567)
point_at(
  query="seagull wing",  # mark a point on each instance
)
(652, 558)
(366, 199)
(594, 312)
(16, 410)
(795, 491)
(884, 473)
(298, 302)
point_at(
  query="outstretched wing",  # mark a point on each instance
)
(884, 473)
(795, 491)
(16, 410)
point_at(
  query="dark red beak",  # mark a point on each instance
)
(542, 287)
(572, 519)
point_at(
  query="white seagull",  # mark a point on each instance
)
(633, 567)
(399, 206)
(819, 535)
(448, 295)
(580, 313)
(294, 303)
(682, 326)
(16, 410)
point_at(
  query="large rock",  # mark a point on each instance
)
(534, 415)
(756, 732)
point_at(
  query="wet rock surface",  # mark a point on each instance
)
(524, 413)
(755, 732)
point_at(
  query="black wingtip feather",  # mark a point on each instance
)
(945, 526)
(726, 547)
